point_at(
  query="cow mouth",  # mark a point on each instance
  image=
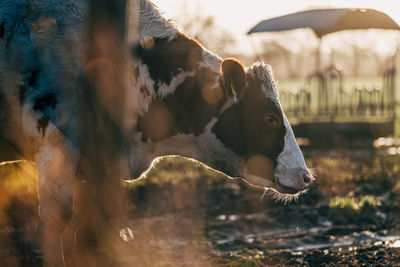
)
(285, 189)
(276, 191)
(257, 181)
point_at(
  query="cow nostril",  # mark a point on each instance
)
(307, 178)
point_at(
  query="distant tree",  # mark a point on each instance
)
(382, 62)
(275, 53)
(203, 27)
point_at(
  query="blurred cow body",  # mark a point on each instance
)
(185, 101)
(43, 63)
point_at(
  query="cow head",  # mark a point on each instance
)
(253, 126)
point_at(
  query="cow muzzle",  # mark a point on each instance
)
(292, 181)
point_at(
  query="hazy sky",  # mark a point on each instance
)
(238, 16)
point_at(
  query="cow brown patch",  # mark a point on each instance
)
(233, 77)
(158, 123)
(260, 166)
(211, 94)
(195, 102)
(243, 127)
(187, 110)
(166, 58)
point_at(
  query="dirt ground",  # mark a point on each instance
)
(185, 215)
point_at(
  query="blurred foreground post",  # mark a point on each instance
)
(396, 121)
(396, 91)
(100, 202)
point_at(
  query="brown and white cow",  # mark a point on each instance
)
(186, 101)
(215, 111)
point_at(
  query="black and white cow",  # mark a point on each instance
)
(186, 101)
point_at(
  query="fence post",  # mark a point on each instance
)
(396, 106)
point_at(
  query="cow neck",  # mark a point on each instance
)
(187, 91)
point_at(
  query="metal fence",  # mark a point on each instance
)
(324, 98)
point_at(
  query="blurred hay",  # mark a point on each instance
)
(18, 215)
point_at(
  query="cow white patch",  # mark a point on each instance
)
(145, 89)
(210, 125)
(263, 72)
(229, 103)
(152, 23)
(291, 164)
(211, 61)
(164, 89)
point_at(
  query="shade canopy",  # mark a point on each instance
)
(325, 21)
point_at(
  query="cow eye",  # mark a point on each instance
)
(271, 120)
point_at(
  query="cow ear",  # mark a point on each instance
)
(233, 77)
